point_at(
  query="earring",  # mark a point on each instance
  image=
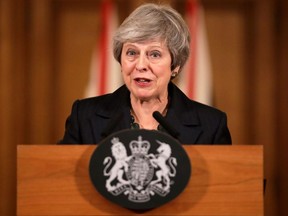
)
(174, 74)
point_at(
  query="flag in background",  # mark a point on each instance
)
(196, 78)
(105, 72)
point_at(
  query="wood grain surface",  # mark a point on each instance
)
(54, 180)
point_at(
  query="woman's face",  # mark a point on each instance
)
(146, 69)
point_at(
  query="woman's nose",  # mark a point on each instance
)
(142, 63)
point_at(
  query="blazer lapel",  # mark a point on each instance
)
(183, 116)
(112, 116)
(186, 124)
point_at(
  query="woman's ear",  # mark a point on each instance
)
(175, 72)
(177, 69)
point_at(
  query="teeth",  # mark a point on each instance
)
(142, 80)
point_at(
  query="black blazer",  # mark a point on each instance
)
(93, 119)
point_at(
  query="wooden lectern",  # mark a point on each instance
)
(54, 180)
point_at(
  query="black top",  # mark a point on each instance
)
(93, 119)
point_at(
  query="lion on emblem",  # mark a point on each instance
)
(120, 155)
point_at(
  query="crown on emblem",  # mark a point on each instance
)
(139, 146)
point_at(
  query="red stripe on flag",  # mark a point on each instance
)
(106, 8)
(192, 11)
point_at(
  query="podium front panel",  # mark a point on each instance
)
(225, 180)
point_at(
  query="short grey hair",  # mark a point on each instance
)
(151, 21)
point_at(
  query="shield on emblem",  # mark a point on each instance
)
(139, 169)
(140, 172)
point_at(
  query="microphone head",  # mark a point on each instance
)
(157, 114)
(165, 124)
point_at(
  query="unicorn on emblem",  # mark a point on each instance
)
(164, 173)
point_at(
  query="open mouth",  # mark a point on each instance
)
(142, 80)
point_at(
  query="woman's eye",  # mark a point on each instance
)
(155, 54)
(131, 53)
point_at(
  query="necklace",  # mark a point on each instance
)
(135, 125)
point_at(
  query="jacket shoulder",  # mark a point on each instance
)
(181, 100)
(104, 102)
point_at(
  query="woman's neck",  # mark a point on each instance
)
(142, 111)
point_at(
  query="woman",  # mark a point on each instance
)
(152, 46)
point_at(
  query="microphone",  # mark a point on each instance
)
(165, 124)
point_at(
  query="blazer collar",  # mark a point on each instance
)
(115, 108)
(181, 113)
(182, 107)
(114, 102)
(179, 102)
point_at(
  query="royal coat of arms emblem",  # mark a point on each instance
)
(140, 169)
(133, 174)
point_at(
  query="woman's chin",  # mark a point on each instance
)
(142, 95)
